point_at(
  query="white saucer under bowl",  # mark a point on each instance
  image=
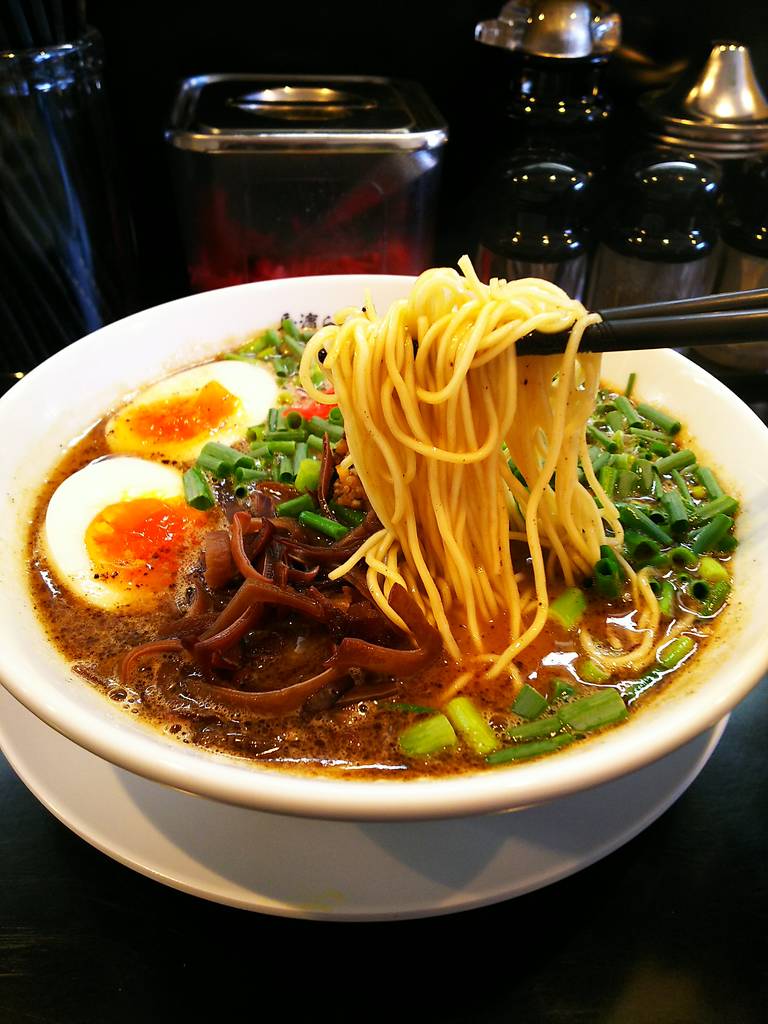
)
(327, 870)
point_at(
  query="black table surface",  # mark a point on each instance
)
(669, 929)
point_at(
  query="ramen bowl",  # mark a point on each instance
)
(63, 397)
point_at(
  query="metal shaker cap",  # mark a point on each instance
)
(718, 110)
(553, 28)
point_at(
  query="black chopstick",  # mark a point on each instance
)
(756, 298)
(648, 332)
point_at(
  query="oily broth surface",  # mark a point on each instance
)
(359, 740)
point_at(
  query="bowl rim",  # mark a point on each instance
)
(237, 781)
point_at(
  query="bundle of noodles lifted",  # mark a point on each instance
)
(436, 564)
(469, 456)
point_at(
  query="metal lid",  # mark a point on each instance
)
(553, 28)
(219, 113)
(718, 109)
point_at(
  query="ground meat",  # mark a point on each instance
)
(348, 490)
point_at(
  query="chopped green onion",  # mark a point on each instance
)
(607, 578)
(677, 514)
(679, 460)
(523, 751)
(294, 345)
(666, 599)
(281, 447)
(318, 426)
(681, 485)
(724, 504)
(683, 556)
(640, 549)
(427, 737)
(602, 439)
(716, 599)
(591, 672)
(471, 726)
(243, 477)
(273, 419)
(627, 410)
(292, 508)
(707, 479)
(671, 654)
(290, 328)
(648, 435)
(529, 703)
(568, 607)
(607, 480)
(257, 345)
(286, 434)
(630, 384)
(285, 366)
(283, 471)
(593, 712)
(291, 419)
(349, 516)
(699, 589)
(562, 688)
(308, 475)
(533, 730)
(315, 443)
(197, 490)
(667, 423)
(713, 571)
(709, 536)
(325, 526)
(221, 460)
(634, 518)
(646, 476)
(615, 420)
(627, 483)
(299, 456)
(336, 416)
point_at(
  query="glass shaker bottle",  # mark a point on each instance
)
(533, 206)
(659, 239)
(719, 111)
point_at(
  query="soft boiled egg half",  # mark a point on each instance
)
(175, 417)
(118, 531)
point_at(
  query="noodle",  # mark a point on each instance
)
(442, 419)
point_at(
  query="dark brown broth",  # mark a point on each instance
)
(360, 740)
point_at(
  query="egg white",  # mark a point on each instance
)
(253, 385)
(78, 500)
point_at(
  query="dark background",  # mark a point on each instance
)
(152, 44)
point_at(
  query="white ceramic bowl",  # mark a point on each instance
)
(64, 396)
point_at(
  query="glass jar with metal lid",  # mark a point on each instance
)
(287, 176)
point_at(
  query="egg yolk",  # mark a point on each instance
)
(141, 542)
(182, 417)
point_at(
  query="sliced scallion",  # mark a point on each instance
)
(522, 751)
(471, 725)
(323, 525)
(568, 607)
(671, 654)
(603, 708)
(427, 737)
(667, 423)
(197, 490)
(529, 702)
